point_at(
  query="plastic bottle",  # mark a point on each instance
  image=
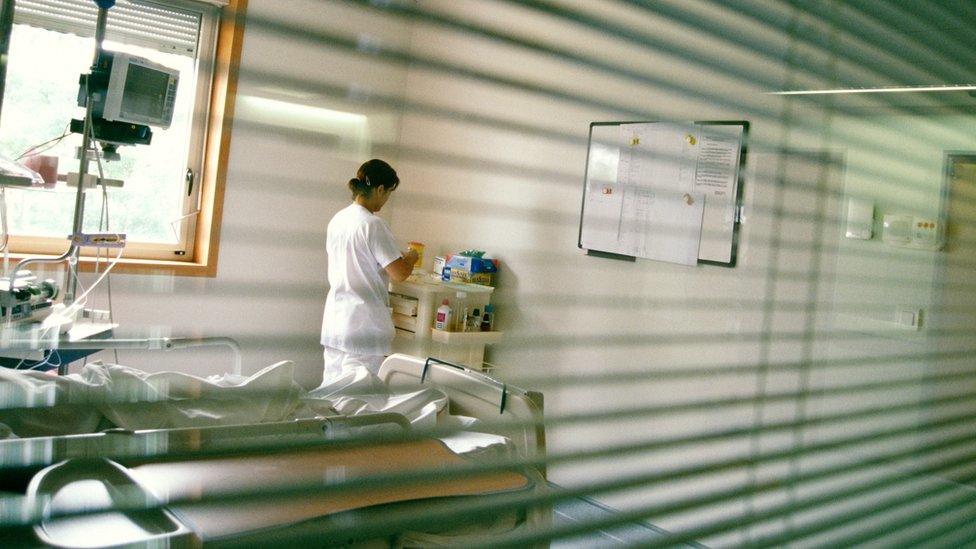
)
(459, 300)
(442, 319)
(463, 320)
(488, 319)
(474, 323)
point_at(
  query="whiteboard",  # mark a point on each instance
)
(668, 191)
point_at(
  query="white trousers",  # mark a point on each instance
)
(339, 363)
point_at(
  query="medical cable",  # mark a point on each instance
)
(172, 224)
(51, 143)
(22, 361)
(98, 281)
(79, 303)
(74, 271)
(47, 361)
(103, 225)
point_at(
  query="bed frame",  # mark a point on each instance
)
(474, 394)
(506, 410)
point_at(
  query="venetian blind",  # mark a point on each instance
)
(149, 24)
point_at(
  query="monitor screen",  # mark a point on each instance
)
(144, 93)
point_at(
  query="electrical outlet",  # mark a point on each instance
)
(925, 233)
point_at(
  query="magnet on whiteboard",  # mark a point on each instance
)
(689, 200)
(690, 139)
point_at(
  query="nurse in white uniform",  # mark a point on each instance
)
(357, 330)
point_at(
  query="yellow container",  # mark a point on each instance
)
(419, 248)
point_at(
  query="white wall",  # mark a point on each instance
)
(490, 141)
(517, 194)
(504, 174)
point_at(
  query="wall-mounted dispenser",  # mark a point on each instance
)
(897, 229)
(860, 219)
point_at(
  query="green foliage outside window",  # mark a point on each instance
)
(41, 97)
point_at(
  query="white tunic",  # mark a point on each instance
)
(357, 314)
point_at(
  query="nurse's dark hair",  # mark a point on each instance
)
(373, 173)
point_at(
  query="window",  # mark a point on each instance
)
(172, 187)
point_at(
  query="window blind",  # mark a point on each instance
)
(821, 393)
(149, 24)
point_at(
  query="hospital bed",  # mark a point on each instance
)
(316, 480)
(474, 394)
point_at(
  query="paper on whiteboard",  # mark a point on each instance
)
(604, 203)
(718, 160)
(663, 225)
(716, 176)
(604, 199)
(658, 156)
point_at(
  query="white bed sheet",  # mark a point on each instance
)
(359, 391)
(111, 395)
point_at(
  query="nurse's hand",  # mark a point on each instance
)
(401, 267)
(410, 256)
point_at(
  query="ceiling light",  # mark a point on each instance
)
(904, 89)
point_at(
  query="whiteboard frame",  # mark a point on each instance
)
(736, 220)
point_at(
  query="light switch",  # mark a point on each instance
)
(910, 318)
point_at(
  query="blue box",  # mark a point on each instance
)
(461, 268)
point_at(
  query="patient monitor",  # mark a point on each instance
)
(129, 94)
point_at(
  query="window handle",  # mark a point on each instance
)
(189, 181)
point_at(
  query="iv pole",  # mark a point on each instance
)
(71, 277)
(73, 249)
(6, 26)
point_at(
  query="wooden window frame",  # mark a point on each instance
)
(213, 179)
